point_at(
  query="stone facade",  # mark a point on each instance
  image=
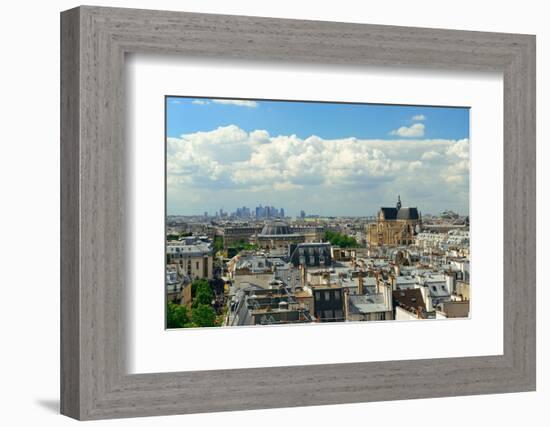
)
(394, 226)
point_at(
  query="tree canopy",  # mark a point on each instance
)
(204, 316)
(243, 245)
(202, 292)
(200, 314)
(176, 316)
(218, 243)
(341, 240)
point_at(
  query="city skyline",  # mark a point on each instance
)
(325, 158)
(234, 210)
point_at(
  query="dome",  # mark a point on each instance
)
(276, 228)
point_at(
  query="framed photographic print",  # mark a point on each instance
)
(317, 250)
(279, 213)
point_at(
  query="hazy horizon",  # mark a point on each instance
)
(297, 214)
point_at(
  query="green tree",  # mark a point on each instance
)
(341, 240)
(176, 316)
(196, 284)
(203, 293)
(242, 244)
(191, 325)
(204, 316)
(218, 243)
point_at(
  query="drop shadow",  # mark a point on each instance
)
(51, 405)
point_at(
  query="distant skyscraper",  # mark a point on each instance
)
(260, 211)
(302, 214)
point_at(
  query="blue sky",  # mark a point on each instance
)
(327, 120)
(325, 158)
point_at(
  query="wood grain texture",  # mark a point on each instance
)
(70, 291)
(94, 381)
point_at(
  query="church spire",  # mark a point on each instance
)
(398, 202)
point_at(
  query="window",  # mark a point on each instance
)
(328, 314)
(197, 265)
(317, 296)
(327, 295)
(338, 314)
(337, 295)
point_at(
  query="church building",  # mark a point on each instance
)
(394, 226)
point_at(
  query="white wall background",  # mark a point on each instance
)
(29, 212)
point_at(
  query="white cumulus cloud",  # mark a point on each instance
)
(418, 118)
(414, 131)
(231, 164)
(237, 102)
(432, 155)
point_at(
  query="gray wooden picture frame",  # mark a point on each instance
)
(94, 41)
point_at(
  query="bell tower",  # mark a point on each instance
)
(398, 202)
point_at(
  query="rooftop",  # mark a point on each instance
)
(178, 248)
(373, 303)
(276, 228)
(411, 298)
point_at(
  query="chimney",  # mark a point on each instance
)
(388, 297)
(346, 303)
